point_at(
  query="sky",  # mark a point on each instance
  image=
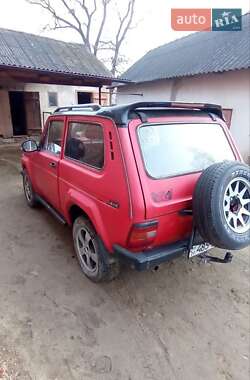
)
(152, 22)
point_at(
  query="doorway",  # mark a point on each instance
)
(84, 97)
(33, 112)
(25, 113)
(18, 114)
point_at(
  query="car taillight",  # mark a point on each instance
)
(143, 234)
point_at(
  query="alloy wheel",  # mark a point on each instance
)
(87, 250)
(27, 188)
(237, 205)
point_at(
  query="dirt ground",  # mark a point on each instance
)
(188, 321)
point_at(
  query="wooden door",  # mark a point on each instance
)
(33, 114)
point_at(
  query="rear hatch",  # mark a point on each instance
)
(170, 154)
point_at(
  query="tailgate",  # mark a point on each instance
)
(170, 157)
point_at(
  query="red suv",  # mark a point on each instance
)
(141, 183)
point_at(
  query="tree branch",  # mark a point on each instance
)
(104, 17)
(78, 15)
(45, 4)
(125, 23)
(89, 15)
(79, 26)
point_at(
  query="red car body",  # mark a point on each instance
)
(126, 206)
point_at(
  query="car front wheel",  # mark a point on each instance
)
(29, 193)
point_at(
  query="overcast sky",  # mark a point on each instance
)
(152, 19)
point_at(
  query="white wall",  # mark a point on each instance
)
(67, 95)
(151, 91)
(230, 89)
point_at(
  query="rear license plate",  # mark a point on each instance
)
(198, 249)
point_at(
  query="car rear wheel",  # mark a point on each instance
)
(221, 205)
(29, 193)
(96, 263)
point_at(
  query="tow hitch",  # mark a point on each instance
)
(206, 258)
(203, 255)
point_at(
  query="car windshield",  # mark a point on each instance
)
(175, 149)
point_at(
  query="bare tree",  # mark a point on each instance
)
(88, 19)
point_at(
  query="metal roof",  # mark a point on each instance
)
(195, 54)
(29, 51)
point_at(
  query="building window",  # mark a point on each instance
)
(53, 99)
(84, 97)
(228, 112)
(85, 143)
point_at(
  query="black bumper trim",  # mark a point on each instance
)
(149, 259)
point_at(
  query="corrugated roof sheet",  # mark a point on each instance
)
(195, 54)
(28, 51)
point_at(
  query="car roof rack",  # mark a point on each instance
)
(87, 106)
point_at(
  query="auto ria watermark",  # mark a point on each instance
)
(206, 19)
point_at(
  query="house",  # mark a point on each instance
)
(37, 74)
(212, 67)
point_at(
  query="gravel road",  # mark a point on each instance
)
(187, 321)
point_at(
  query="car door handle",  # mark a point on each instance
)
(52, 164)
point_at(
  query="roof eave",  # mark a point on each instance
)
(34, 75)
(186, 76)
(60, 76)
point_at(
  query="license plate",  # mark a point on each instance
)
(198, 249)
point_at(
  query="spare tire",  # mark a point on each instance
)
(221, 205)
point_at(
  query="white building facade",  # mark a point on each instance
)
(230, 89)
(40, 100)
(39, 74)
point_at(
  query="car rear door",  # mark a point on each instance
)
(46, 162)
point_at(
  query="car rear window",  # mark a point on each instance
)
(174, 149)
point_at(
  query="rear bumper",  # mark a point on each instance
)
(149, 259)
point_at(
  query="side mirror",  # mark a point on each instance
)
(29, 146)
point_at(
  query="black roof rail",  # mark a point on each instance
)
(91, 106)
(121, 113)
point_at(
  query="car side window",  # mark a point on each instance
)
(85, 143)
(54, 137)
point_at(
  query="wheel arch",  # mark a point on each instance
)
(25, 163)
(93, 216)
(75, 211)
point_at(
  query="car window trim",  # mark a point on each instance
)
(51, 120)
(176, 123)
